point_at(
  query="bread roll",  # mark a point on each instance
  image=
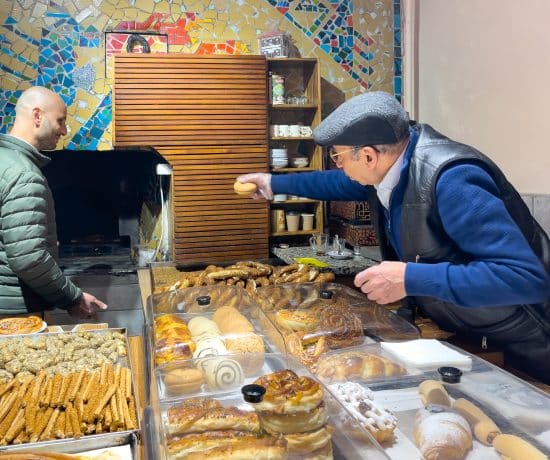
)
(182, 381)
(440, 434)
(244, 188)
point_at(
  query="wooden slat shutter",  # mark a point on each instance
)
(207, 115)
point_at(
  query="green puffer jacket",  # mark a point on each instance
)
(30, 278)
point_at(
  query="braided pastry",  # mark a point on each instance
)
(173, 339)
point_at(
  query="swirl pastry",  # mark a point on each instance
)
(359, 401)
(210, 347)
(287, 393)
(342, 327)
(356, 365)
(221, 373)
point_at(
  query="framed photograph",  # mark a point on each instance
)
(132, 42)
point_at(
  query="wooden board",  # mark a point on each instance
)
(207, 115)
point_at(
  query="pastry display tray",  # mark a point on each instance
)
(91, 441)
(344, 447)
(515, 406)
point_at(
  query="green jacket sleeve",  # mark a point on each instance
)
(25, 235)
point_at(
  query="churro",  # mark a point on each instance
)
(103, 401)
(47, 433)
(40, 424)
(59, 426)
(8, 419)
(73, 417)
(57, 385)
(47, 395)
(75, 385)
(16, 427)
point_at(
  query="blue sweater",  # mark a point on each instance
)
(504, 270)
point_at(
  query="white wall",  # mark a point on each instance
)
(479, 71)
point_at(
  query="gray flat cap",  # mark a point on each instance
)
(368, 119)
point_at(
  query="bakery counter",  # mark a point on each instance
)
(347, 265)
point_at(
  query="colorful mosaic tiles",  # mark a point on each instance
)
(61, 44)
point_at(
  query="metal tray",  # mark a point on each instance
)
(86, 442)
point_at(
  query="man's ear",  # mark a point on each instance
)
(36, 116)
(370, 155)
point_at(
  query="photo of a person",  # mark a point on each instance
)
(137, 44)
(132, 43)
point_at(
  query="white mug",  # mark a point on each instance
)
(274, 130)
(305, 131)
(294, 130)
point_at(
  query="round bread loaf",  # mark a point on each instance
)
(179, 381)
(244, 188)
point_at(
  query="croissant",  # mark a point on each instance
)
(440, 434)
(356, 365)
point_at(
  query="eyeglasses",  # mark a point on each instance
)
(333, 154)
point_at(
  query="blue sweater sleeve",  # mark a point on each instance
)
(503, 271)
(320, 185)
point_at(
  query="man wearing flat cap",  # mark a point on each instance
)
(458, 241)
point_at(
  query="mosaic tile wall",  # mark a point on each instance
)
(61, 44)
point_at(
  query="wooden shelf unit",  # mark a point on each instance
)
(302, 77)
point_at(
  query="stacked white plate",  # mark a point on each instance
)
(278, 158)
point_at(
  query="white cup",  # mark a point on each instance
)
(279, 197)
(305, 131)
(274, 130)
(294, 130)
(307, 221)
(292, 221)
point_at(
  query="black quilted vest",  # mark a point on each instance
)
(424, 240)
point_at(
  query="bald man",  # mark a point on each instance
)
(30, 278)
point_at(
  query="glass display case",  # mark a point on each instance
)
(307, 320)
(296, 418)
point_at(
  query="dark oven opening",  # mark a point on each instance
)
(98, 198)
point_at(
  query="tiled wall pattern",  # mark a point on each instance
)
(61, 44)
